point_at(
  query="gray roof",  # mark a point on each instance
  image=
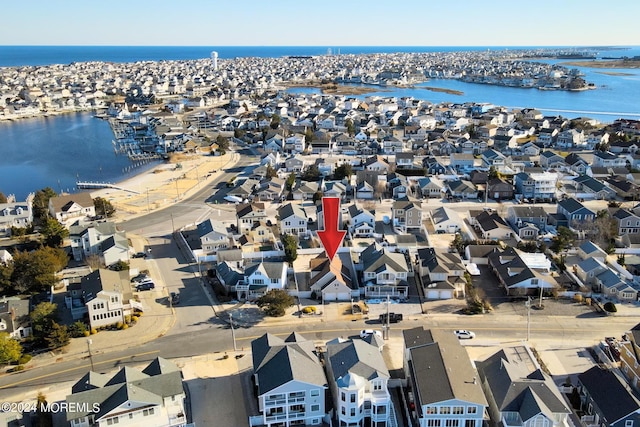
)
(105, 280)
(442, 371)
(356, 357)
(518, 385)
(373, 259)
(529, 211)
(207, 226)
(289, 210)
(610, 395)
(277, 362)
(272, 269)
(156, 382)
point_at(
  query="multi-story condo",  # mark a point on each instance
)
(534, 185)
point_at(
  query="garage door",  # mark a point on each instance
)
(433, 295)
(446, 295)
(344, 296)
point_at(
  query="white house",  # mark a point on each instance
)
(213, 236)
(361, 222)
(262, 277)
(290, 382)
(71, 206)
(292, 219)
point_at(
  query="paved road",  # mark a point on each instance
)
(217, 338)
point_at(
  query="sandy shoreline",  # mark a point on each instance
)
(163, 184)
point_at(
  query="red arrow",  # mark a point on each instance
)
(331, 237)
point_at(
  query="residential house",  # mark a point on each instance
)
(536, 185)
(493, 158)
(445, 220)
(305, 190)
(153, 396)
(442, 380)
(521, 273)
(612, 286)
(491, 226)
(358, 379)
(627, 222)
(334, 189)
(404, 160)
(570, 138)
(213, 236)
(295, 143)
(587, 187)
(103, 296)
(295, 164)
(588, 249)
(271, 189)
(430, 187)
(606, 400)
(384, 273)
(376, 163)
(292, 219)
(290, 382)
(14, 317)
(629, 348)
(577, 163)
(522, 217)
(259, 238)
(607, 159)
(519, 392)
(399, 186)
(71, 206)
(432, 166)
(229, 273)
(365, 191)
(441, 273)
(461, 161)
(331, 279)
(15, 214)
(588, 269)
(551, 160)
(361, 222)
(244, 189)
(624, 188)
(499, 189)
(101, 239)
(461, 189)
(247, 214)
(574, 212)
(5, 257)
(260, 278)
(406, 215)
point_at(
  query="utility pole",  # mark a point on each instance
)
(233, 332)
(386, 326)
(89, 342)
(528, 304)
(148, 208)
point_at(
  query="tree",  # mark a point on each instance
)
(271, 172)
(6, 272)
(53, 233)
(317, 196)
(351, 129)
(563, 239)
(344, 171)
(275, 302)
(223, 144)
(44, 418)
(311, 173)
(290, 248)
(120, 266)
(458, 243)
(103, 207)
(291, 181)
(10, 349)
(3, 198)
(239, 133)
(43, 316)
(35, 271)
(308, 135)
(41, 202)
(57, 337)
(275, 121)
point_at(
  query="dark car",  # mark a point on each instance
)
(140, 278)
(146, 286)
(393, 317)
(139, 255)
(175, 298)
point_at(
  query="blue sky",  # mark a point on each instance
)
(321, 23)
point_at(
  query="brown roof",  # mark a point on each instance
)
(83, 199)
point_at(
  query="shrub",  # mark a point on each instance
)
(610, 307)
(78, 329)
(309, 310)
(86, 333)
(119, 325)
(578, 298)
(24, 359)
(125, 326)
(93, 331)
(127, 318)
(587, 301)
(17, 368)
(134, 318)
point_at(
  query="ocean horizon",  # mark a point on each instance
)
(32, 55)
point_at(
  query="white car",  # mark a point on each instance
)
(464, 334)
(366, 332)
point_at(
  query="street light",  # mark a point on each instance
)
(528, 305)
(89, 342)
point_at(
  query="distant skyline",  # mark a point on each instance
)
(328, 23)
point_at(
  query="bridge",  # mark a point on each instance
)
(92, 185)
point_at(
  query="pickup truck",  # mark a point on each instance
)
(393, 317)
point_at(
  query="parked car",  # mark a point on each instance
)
(139, 255)
(366, 332)
(146, 286)
(140, 278)
(393, 317)
(175, 298)
(464, 334)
